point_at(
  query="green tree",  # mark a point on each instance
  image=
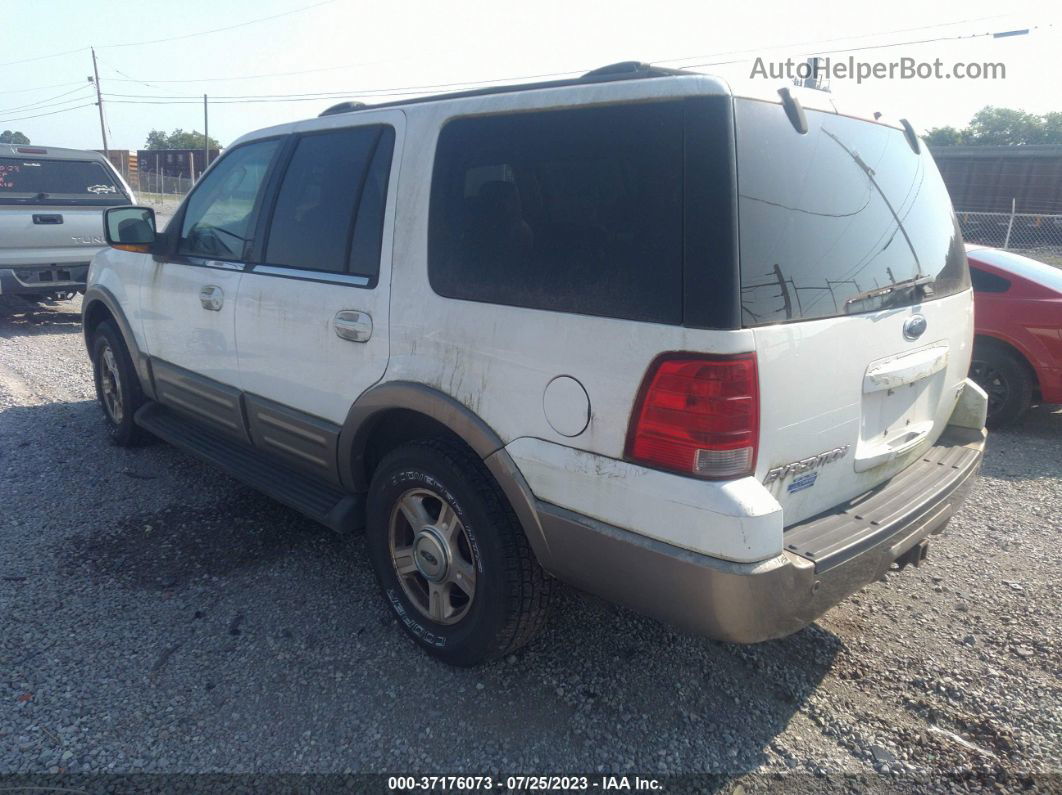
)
(15, 137)
(1053, 128)
(1001, 127)
(943, 136)
(1005, 127)
(178, 139)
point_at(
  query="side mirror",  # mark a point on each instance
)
(130, 228)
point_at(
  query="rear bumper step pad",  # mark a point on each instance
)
(844, 531)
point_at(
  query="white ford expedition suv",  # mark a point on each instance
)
(701, 354)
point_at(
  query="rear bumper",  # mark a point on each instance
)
(43, 278)
(825, 560)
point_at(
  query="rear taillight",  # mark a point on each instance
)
(698, 415)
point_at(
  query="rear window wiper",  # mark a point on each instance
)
(914, 283)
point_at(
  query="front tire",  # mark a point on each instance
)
(117, 386)
(1007, 381)
(450, 555)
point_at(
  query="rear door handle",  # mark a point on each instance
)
(211, 297)
(353, 325)
(47, 218)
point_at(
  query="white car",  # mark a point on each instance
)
(702, 354)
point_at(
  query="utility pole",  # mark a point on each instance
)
(99, 104)
(206, 136)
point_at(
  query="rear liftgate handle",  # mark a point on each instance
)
(353, 325)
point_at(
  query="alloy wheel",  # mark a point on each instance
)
(432, 556)
(109, 379)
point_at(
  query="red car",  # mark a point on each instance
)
(1017, 356)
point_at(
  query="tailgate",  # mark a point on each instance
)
(846, 403)
(855, 284)
(43, 235)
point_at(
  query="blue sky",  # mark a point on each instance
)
(352, 47)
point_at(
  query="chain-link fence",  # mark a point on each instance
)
(1035, 235)
(161, 192)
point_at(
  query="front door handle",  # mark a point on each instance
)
(211, 297)
(353, 325)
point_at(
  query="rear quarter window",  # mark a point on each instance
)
(834, 220)
(575, 210)
(985, 282)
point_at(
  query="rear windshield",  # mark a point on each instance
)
(844, 219)
(29, 181)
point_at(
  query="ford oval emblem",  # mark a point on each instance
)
(914, 327)
(434, 561)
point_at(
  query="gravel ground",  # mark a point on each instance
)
(157, 616)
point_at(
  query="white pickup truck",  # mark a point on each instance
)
(51, 217)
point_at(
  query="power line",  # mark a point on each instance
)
(58, 105)
(963, 36)
(127, 78)
(42, 57)
(43, 102)
(558, 74)
(413, 90)
(339, 93)
(218, 30)
(171, 38)
(832, 40)
(51, 113)
(254, 77)
(42, 88)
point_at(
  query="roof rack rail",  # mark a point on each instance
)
(623, 70)
(632, 69)
(342, 107)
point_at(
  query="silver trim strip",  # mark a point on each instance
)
(223, 265)
(317, 276)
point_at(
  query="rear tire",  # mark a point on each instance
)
(117, 386)
(450, 555)
(1007, 381)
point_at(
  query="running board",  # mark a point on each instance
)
(321, 502)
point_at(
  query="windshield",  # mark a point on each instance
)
(30, 181)
(844, 219)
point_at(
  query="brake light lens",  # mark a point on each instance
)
(698, 415)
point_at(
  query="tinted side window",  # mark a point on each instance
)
(368, 228)
(318, 199)
(218, 217)
(571, 210)
(985, 282)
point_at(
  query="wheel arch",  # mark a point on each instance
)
(399, 411)
(98, 305)
(1007, 346)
